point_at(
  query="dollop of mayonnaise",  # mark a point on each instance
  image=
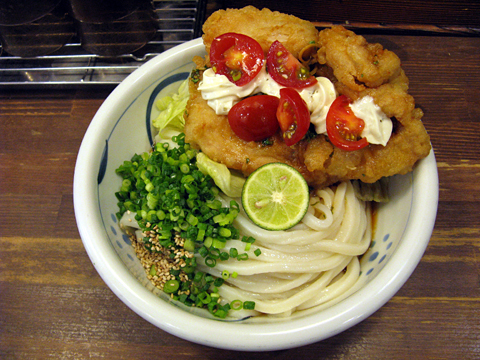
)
(319, 97)
(378, 126)
(221, 95)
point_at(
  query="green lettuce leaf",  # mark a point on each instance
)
(172, 109)
(377, 191)
(171, 122)
(231, 184)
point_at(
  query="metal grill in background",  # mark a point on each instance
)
(72, 66)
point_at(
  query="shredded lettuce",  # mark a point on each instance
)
(230, 183)
(170, 122)
(377, 191)
(171, 110)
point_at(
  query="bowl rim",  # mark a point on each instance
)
(225, 335)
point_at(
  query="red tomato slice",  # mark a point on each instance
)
(293, 116)
(286, 70)
(343, 127)
(254, 118)
(239, 57)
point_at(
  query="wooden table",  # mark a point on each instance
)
(54, 305)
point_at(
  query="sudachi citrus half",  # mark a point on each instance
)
(275, 196)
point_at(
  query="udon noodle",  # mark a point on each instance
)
(311, 266)
(307, 268)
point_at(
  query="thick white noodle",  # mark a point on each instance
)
(307, 268)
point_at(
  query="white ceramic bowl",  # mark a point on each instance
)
(121, 128)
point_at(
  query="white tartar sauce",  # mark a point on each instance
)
(378, 126)
(221, 95)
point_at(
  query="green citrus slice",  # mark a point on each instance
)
(275, 196)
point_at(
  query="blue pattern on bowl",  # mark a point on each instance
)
(151, 101)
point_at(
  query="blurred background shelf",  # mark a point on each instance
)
(179, 21)
(72, 66)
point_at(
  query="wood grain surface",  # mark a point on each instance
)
(53, 304)
(426, 12)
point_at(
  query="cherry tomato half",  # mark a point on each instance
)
(286, 70)
(343, 127)
(239, 57)
(293, 116)
(254, 118)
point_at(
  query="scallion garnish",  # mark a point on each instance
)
(178, 212)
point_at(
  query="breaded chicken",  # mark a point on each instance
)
(355, 62)
(264, 25)
(361, 69)
(356, 68)
(213, 135)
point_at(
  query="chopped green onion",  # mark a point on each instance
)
(233, 252)
(189, 245)
(218, 282)
(171, 286)
(236, 305)
(248, 239)
(126, 185)
(184, 168)
(188, 270)
(225, 274)
(218, 243)
(160, 215)
(208, 242)
(242, 257)
(214, 253)
(198, 276)
(221, 313)
(224, 232)
(153, 270)
(205, 297)
(203, 251)
(249, 305)
(210, 262)
(192, 219)
(200, 235)
(172, 198)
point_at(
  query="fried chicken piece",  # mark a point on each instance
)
(264, 25)
(409, 143)
(355, 62)
(211, 133)
(361, 69)
(344, 57)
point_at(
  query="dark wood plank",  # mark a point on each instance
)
(444, 77)
(51, 121)
(434, 12)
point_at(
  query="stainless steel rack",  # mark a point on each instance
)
(71, 66)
